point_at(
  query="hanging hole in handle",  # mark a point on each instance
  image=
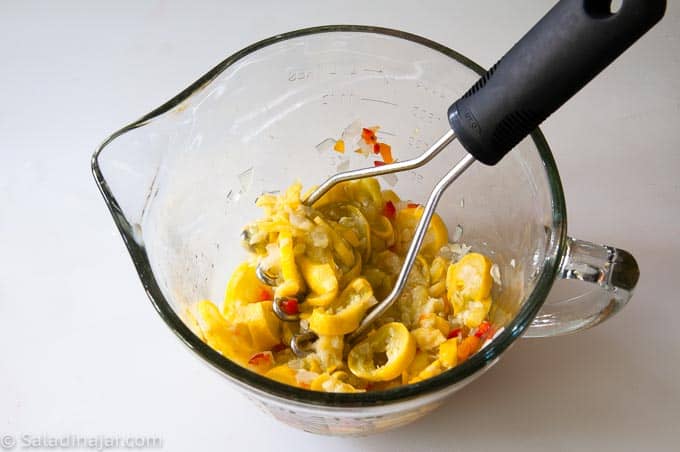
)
(600, 9)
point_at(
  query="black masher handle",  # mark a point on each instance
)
(569, 46)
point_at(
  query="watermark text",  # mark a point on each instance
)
(79, 442)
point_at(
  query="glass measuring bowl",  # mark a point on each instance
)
(181, 182)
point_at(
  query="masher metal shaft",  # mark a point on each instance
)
(396, 167)
(414, 247)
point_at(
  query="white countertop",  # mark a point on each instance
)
(82, 351)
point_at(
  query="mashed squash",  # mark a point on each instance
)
(325, 266)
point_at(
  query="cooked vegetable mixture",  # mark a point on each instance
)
(328, 265)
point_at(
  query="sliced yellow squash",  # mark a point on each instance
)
(384, 354)
(405, 225)
(390, 195)
(264, 326)
(233, 341)
(427, 338)
(353, 272)
(340, 246)
(433, 369)
(421, 360)
(438, 269)
(244, 287)
(283, 374)
(345, 313)
(366, 192)
(448, 353)
(470, 277)
(321, 280)
(476, 312)
(348, 219)
(381, 227)
(292, 281)
(337, 193)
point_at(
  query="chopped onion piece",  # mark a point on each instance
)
(351, 132)
(496, 274)
(245, 179)
(366, 149)
(300, 221)
(401, 205)
(319, 238)
(458, 233)
(305, 377)
(257, 237)
(343, 166)
(391, 179)
(454, 251)
(296, 364)
(272, 258)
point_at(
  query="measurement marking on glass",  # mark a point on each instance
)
(380, 101)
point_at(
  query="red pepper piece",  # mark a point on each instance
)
(260, 358)
(389, 210)
(378, 163)
(412, 205)
(385, 152)
(290, 306)
(265, 294)
(483, 329)
(368, 136)
(467, 347)
(453, 333)
(376, 148)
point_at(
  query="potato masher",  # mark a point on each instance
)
(566, 49)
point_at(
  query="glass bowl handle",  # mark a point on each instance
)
(615, 273)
